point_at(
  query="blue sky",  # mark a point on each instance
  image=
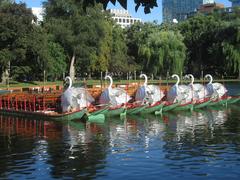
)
(156, 13)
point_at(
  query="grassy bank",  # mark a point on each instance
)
(15, 84)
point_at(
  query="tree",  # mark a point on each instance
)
(199, 35)
(15, 27)
(118, 62)
(163, 51)
(85, 35)
(147, 4)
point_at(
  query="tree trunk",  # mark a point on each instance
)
(5, 77)
(72, 68)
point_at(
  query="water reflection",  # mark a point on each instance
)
(189, 144)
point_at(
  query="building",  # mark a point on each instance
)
(209, 8)
(180, 9)
(38, 12)
(123, 18)
(235, 3)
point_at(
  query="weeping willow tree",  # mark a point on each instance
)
(163, 51)
(231, 48)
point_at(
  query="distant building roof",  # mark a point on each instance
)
(208, 8)
(123, 18)
(38, 11)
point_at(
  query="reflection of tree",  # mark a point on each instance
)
(79, 153)
(17, 145)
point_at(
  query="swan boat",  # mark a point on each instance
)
(115, 99)
(148, 98)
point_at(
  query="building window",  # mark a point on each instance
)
(120, 20)
(127, 20)
(123, 20)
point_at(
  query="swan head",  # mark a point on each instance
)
(68, 81)
(210, 77)
(186, 77)
(191, 77)
(145, 77)
(175, 76)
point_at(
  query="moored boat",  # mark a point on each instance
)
(184, 107)
(169, 106)
(96, 115)
(201, 104)
(46, 115)
(218, 102)
(135, 109)
(116, 111)
(153, 108)
(233, 99)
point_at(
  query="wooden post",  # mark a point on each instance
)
(16, 103)
(25, 104)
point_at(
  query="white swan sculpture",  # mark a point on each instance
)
(75, 98)
(215, 90)
(179, 93)
(148, 93)
(114, 96)
(198, 90)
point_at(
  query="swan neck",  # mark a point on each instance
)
(70, 82)
(111, 82)
(211, 79)
(178, 80)
(145, 82)
(192, 79)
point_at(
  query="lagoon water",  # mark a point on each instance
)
(204, 144)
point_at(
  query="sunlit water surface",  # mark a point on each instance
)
(197, 145)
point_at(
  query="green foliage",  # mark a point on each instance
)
(15, 27)
(81, 30)
(148, 5)
(118, 62)
(85, 35)
(164, 51)
(212, 43)
(157, 48)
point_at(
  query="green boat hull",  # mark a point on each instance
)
(217, 103)
(38, 115)
(96, 116)
(100, 111)
(170, 107)
(136, 110)
(183, 107)
(116, 112)
(152, 109)
(233, 100)
(201, 105)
